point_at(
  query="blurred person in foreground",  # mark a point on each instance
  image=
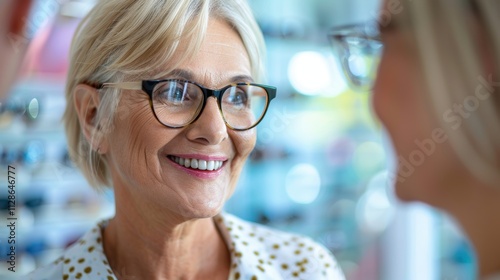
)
(162, 106)
(13, 43)
(437, 93)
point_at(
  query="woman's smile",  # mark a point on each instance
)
(198, 165)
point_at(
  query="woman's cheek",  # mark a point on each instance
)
(244, 142)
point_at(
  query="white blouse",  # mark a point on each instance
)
(257, 252)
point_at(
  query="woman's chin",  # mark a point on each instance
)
(207, 210)
(414, 190)
(404, 192)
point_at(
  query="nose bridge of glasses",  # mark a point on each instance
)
(216, 93)
(208, 106)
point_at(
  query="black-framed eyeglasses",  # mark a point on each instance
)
(178, 103)
(358, 49)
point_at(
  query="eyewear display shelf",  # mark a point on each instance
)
(47, 201)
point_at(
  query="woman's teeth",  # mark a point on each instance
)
(199, 164)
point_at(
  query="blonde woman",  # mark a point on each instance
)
(162, 107)
(437, 93)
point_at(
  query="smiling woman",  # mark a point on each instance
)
(163, 102)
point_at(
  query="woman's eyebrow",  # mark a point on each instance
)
(242, 79)
(189, 76)
(183, 74)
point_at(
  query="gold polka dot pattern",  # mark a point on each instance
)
(257, 252)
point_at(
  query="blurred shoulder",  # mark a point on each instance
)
(281, 254)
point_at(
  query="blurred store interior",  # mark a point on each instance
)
(320, 167)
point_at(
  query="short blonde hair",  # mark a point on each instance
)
(129, 38)
(455, 71)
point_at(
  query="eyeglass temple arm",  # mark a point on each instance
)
(124, 85)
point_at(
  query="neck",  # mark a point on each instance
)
(476, 208)
(140, 247)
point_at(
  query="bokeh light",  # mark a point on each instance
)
(311, 73)
(303, 183)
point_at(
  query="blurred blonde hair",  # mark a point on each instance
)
(129, 39)
(455, 69)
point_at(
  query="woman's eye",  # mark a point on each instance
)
(238, 98)
(173, 94)
(176, 94)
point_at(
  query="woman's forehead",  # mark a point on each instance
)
(220, 56)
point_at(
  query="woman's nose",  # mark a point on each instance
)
(209, 128)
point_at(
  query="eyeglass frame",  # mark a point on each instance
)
(147, 86)
(332, 35)
(361, 33)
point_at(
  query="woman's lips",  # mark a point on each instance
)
(208, 168)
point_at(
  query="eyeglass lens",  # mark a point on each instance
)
(359, 54)
(178, 103)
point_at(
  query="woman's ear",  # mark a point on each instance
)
(86, 102)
